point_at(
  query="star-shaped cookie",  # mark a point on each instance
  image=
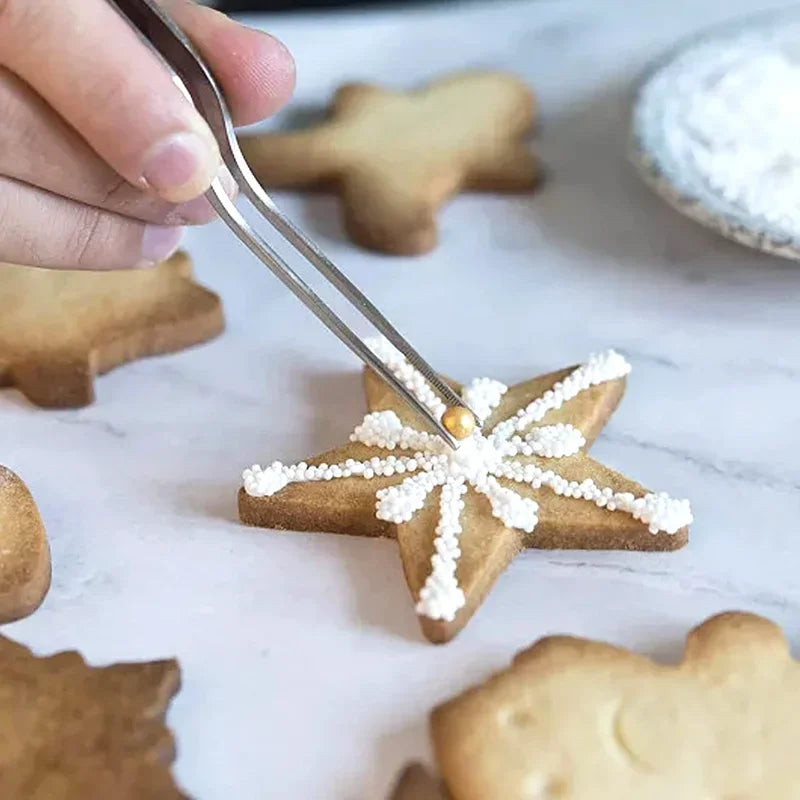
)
(60, 328)
(580, 719)
(461, 515)
(395, 157)
(69, 731)
(24, 552)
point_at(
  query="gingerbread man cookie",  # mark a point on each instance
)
(579, 719)
(397, 156)
(24, 552)
(460, 516)
(74, 732)
(60, 328)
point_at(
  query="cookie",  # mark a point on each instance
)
(578, 719)
(417, 783)
(460, 516)
(60, 328)
(396, 157)
(24, 552)
(74, 732)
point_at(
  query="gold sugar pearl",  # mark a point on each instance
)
(459, 421)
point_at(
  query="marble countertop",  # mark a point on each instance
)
(305, 675)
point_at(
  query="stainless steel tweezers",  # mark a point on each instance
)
(174, 47)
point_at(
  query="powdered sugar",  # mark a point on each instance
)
(716, 130)
(740, 130)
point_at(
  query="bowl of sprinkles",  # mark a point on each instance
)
(715, 131)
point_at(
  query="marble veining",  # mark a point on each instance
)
(97, 424)
(304, 671)
(751, 474)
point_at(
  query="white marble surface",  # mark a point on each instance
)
(305, 675)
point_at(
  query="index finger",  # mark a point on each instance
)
(255, 70)
(90, 66)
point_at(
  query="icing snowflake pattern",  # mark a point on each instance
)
(479, 463)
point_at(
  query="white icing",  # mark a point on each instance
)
(659, 512)
(510, 508)
(548, 441)
(413, 380)
(265, 482)
(441, 597)
(477, 462)
(483, 396)
(474, 458)
(399, 503)
(385, 430)
(600, 368)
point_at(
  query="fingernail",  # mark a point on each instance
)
(159, 243)
(180, 167)
(200, 210)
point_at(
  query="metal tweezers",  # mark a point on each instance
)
(173, 46)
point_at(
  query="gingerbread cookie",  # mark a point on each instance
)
(397, 156)
(74, 732)
(460, 516)
(24, 552)
(579, 719)
(60, 328)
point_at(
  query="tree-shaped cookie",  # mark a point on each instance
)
(24, 552)
(69, 731)
(60, 328)
(460, 516)
(395, 157)
(578, 719)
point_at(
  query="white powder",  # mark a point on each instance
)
(742, 132)
(722, 122)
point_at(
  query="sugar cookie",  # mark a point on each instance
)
(60, 328)
(460, 516)
(578, 719)
(24, 552)
(73, 732)
(396, 157)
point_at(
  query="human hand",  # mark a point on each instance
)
(102, 159)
